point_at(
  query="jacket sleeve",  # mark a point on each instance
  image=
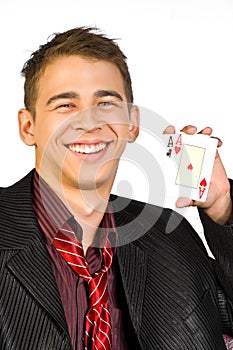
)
(220, 241)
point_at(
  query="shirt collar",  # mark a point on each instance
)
(52, 214)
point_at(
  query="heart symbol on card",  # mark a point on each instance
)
(177, 149)
(190, 167)
(203, 182)
(202, 187)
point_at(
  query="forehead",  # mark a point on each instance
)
(80, 73)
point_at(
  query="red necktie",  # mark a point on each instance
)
(98, 322)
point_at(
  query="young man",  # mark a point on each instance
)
(80, 268)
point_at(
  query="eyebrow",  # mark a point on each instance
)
(104, 93)
(64, 95)
(74, 95)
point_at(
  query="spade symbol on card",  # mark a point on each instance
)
(169, 146)
(202, 187)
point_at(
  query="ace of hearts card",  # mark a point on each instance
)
(193, 156)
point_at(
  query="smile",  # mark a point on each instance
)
(87, 148)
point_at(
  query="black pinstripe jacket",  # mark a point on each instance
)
(170, 283)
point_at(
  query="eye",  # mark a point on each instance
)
(105, 103)
(108, 104)
(66, 105)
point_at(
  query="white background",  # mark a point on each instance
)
(180, 55)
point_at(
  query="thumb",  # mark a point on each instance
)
(183, 202)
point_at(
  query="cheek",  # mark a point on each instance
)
(122, 132)
(45, 132)
(42, 135)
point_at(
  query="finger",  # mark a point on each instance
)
(170, 129)
(219, 141)
(183, 202)
(206, 131)
(189, 129)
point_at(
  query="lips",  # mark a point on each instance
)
(87, 148)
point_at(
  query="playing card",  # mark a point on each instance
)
(193, 157)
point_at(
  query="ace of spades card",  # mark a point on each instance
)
(194, 157)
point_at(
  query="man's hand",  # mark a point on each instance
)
(218, 204)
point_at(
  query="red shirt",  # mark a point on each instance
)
(51, 215)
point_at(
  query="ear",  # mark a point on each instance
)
(134, 123)
(26, 127)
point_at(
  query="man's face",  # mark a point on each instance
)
(82, 122)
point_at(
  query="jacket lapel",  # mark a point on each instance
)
(31, 267)
(131, 257)
(133, 268)
(29, 261)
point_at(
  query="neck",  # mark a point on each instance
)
(88, 208)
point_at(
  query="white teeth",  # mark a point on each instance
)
(81, 148)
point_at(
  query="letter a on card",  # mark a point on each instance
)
(178, 145)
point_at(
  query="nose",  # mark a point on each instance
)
(87, 120)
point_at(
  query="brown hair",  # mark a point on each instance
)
(83, 41)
